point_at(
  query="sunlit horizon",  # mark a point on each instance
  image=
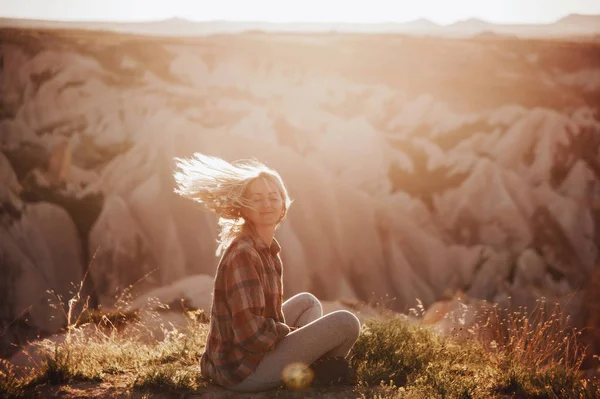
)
(332, 11)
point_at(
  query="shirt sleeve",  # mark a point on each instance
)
(246, 300)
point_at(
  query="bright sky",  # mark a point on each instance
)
(440, 11)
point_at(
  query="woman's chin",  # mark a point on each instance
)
(270, 221)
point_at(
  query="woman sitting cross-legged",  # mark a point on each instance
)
(254, 337)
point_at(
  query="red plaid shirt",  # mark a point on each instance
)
(246, 316)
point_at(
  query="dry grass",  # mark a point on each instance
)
(531, 355)
(94, 353)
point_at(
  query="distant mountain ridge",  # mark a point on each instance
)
(571, 25)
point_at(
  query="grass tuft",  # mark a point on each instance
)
(521, 354)
(401, 354)
(13, 383)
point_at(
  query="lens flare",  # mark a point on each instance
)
(297, 376)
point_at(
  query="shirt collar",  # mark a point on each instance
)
(258, 243)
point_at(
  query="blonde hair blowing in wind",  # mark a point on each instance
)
(220, 186)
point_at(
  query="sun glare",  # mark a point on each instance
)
(358, 11)
(297, 376)
(372, 11)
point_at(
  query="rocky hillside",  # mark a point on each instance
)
(419, 166)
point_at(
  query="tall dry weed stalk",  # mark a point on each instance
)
(540, 339)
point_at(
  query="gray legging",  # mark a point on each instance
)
(331, 335)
